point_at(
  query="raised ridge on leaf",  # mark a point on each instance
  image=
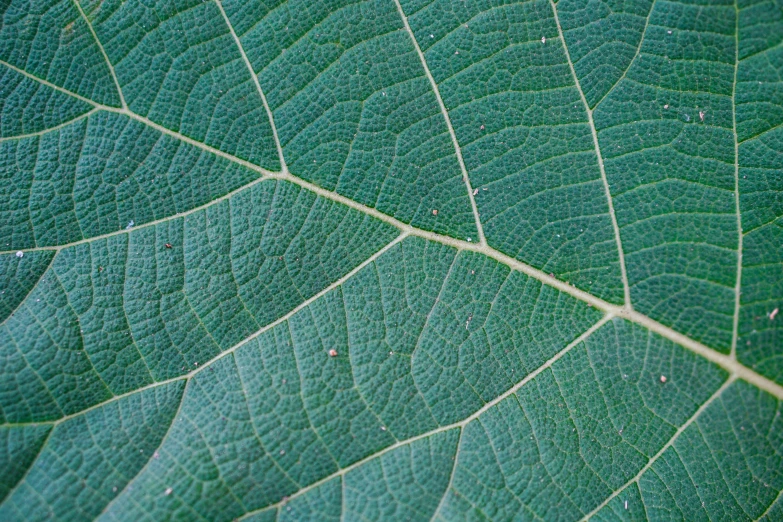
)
(391, 259)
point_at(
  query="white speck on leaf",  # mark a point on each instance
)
(701, 115)
(332, 353)
(773, 313)
(168, 491)
(543, 39)
(663, 378)
(20, 254)
(130, 225)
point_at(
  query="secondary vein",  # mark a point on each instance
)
(103, 52)
(666, 446)
(738, 282)
(618, 241)
(460, 424)
(445, 112)
(254, 76)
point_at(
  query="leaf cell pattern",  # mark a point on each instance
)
(391, 259)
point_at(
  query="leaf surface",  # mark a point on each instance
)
(391, 259)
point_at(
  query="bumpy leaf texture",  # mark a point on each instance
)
(391, 260)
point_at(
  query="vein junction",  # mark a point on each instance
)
(620, 311)
(504, 396)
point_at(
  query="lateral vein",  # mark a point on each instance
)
(460, 424)
(666, 446)
(451, 475)
(257, 84)
(53, 86)
(50, 129)
(149, 461)
(618, 241)
(447, 118)
(103, 52)
(738, 281)
(32, 289)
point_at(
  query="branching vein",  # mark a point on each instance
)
(724, 361)
(665, 447)
(445, 112)
(257, 84)
(461, 424)
(621, 255)
(638, 50)
(103, 52)
(738, 282)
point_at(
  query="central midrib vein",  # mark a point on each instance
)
(725, 361)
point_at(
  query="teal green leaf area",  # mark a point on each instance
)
(359, 260)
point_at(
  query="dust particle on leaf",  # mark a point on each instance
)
(168, 491)
(20, 254)
(773, 313)
(332, 353)
(435, 212)
(168, 245)
(663, 378)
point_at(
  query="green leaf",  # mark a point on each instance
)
(391, 259)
